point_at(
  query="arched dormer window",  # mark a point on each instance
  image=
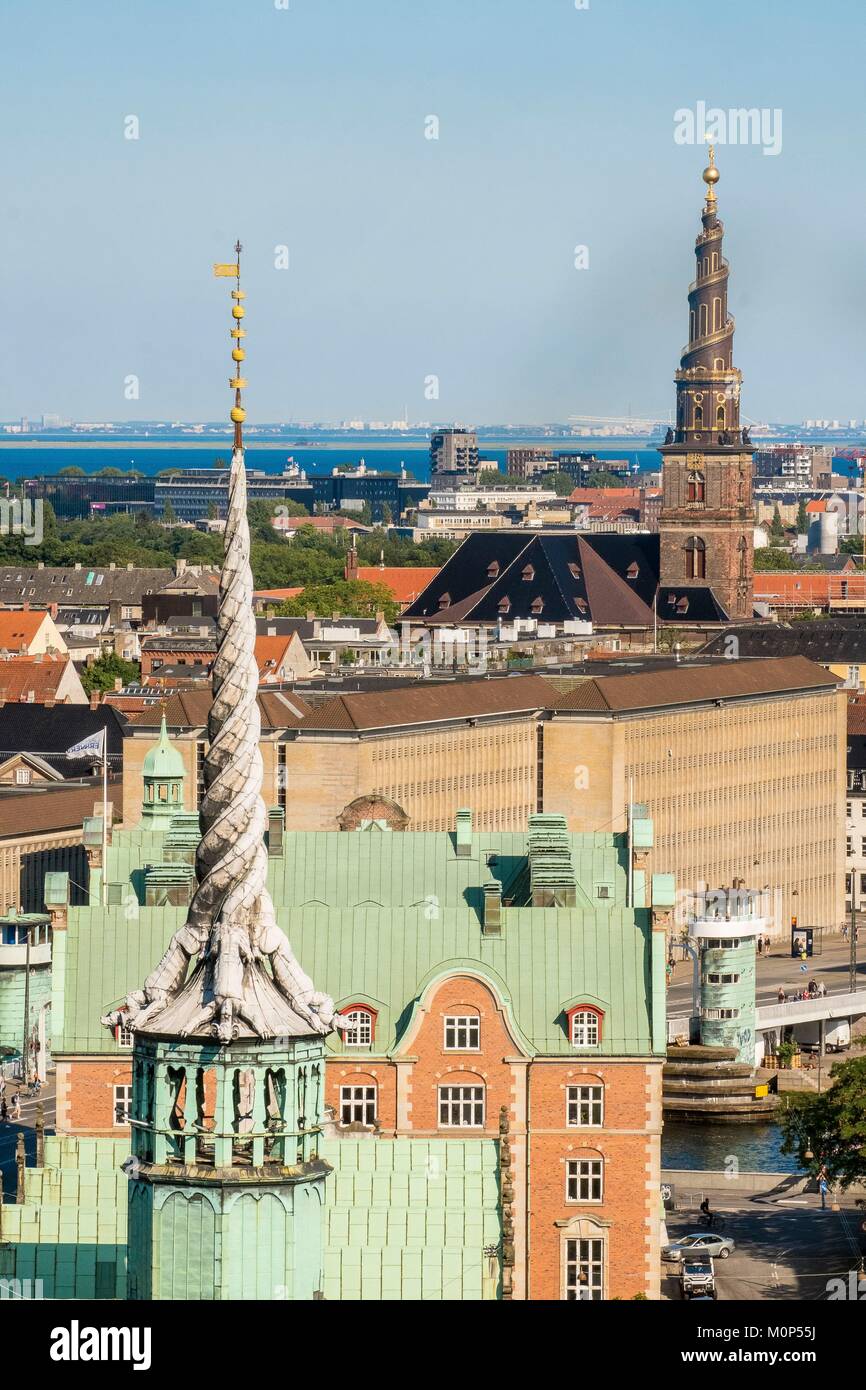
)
(585, 1025)
(361, 1025)
(696, 558)
(696, 486)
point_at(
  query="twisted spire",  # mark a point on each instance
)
(231, 927)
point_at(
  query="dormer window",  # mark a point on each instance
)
(528, 573)
(683, 605)
(361, 1025)
(537, 606)
(580, 605)
(574, 570)
(632, 572)
(504, 605)
(585, 1025)
(445, 601)
(493, 569)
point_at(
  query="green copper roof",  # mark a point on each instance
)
(163, 760)
(377, 917)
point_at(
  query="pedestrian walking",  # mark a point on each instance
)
(781, 995)
(760, 945)
(16, 1106)
(823, 1189)
(4, 1111)
(845, 933)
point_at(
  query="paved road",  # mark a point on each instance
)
(779, 969)
(9, 1134)
(785, 1248)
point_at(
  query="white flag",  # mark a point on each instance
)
(91, 747)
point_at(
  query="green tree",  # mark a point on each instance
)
(71, 471)
(353, 598)
(829, 1130)
(387, 515)
(169, 515)
(562, 483)
(601, 478)
(769, 558)
(777, 529)
(802, 518)
(102, 674)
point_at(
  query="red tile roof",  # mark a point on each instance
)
(18, 629)
(794, 588)
(406, 582)
(22, 674)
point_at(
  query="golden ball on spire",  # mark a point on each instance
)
(238, 354)
(238, 311)
(710, 174)
(238, 414)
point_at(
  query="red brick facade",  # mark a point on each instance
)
(623, 1222)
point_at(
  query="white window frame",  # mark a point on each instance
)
(575, 1101)
(350, 1097)
(584, 1173)
(590, 1024)
(122, 1097)
(588, 1255)
(466, 1103)
(123, 1035)
(467, 1024)
(363, 1021)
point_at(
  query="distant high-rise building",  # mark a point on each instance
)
(453, 450)
(707, 519)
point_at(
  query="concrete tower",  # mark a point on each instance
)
(707, 520)
(726, 930)
(226, 1184)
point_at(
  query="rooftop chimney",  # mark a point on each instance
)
(463, 839)
(94, 699)
(491, 923)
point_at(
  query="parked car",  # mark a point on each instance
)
(705, 1242)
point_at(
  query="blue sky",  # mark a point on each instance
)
(411, 257)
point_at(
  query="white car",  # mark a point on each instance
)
(699, 1243)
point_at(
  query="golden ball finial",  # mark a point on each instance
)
(710, 175)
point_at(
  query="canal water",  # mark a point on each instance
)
(757, 1148)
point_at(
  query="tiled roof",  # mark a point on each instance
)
(794, 588)
(405, 582)
(684, 685)
(30, 678)
(18, 630)
(64, 808)
(427, 704)
(30, 584)
(189, 709)
(279, 595)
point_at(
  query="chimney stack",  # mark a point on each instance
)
(463, 837)
(94, 699)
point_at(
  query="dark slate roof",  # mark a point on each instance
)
(606, 579)
(823, 641)
(690, 603)
(49, 731)
(29, 584)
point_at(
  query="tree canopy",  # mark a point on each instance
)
(829, 1130)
